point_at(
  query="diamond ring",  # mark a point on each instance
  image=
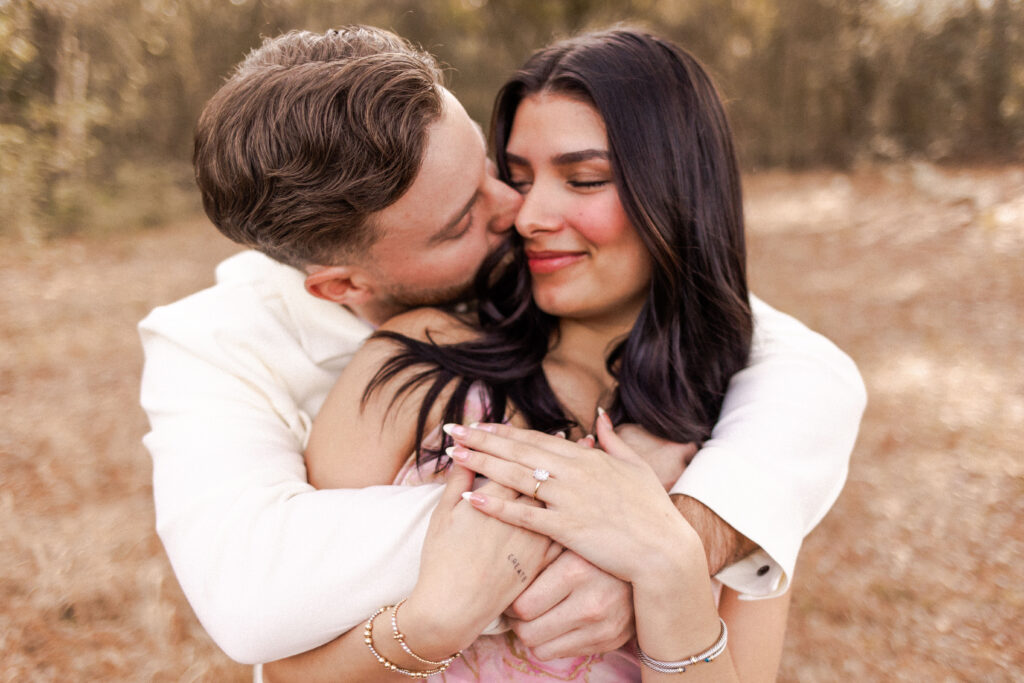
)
(541, 475)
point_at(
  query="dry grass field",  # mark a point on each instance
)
(916, 575)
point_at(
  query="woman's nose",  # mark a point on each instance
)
(538, 213)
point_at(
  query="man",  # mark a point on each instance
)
(344, 159)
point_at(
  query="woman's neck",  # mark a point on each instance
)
(576, 368)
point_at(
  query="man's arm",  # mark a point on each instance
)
(266, 561)
(775, 464)
(722, 543)
(778, 456)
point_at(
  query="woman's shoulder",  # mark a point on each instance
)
(431, 324)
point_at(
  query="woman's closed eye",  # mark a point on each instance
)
(523, 186)
(588, 184)
(520, 185)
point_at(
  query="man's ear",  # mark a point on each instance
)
(345, 285)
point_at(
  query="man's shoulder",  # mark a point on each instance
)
(258, 307)
(239, 297)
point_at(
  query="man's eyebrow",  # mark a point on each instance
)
(451, 228)
(564, 159)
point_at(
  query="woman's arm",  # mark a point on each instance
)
(613, 511)
(347, 428)
(465, 579)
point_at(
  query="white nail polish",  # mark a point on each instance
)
(448, 451)
(466, 495)
(447, 428)
(600, 411)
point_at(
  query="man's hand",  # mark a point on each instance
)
(573, 608)
(667, 458)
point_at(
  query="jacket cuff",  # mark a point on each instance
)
(760, 505)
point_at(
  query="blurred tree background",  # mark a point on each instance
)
(98, 97)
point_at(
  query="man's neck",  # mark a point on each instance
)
(374, 313)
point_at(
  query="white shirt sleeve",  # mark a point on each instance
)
(265, 560)
(778, 456)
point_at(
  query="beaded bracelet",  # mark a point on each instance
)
(680, 666)
(389, 665)
(400, 637)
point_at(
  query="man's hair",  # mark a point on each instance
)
(310, 136)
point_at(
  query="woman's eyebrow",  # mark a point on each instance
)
(516, 159)
(565, 158)
(568, 158)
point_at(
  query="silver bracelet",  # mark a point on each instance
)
(680, 666)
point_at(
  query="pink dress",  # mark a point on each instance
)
(502, 657)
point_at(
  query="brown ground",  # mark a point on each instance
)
(917, 574)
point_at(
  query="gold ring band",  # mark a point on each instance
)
(536, 488)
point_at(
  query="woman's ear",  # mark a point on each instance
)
(345, 285)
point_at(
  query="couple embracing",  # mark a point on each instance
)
(479, 421)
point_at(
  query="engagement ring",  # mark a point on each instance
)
(541, 475)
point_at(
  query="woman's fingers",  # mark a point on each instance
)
(612, 443)
(506, 473)
(493, 488)
(529, 517)
(508, 442)
(459, 480)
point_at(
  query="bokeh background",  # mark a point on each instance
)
(883, 145)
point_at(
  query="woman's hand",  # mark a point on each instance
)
(609, 507)
(472, 567)
(667, 458)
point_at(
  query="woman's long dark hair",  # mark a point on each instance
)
(677, 177)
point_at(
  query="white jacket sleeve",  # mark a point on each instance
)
(271, 566)
(778, 456)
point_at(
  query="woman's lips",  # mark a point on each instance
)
(549, 261)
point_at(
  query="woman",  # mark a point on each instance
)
(626, 291)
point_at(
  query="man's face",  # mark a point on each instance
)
(434, 238)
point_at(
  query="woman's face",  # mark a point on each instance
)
(586, 259)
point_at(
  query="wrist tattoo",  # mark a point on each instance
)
(519, 569)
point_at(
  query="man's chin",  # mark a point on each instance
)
(407, 299)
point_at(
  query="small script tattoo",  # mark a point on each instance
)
(519, 570)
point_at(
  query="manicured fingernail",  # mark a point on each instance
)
(560, 434)
(484, 427)
(600, 411)
(455, 430)
(474, 497)
(457, 453)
